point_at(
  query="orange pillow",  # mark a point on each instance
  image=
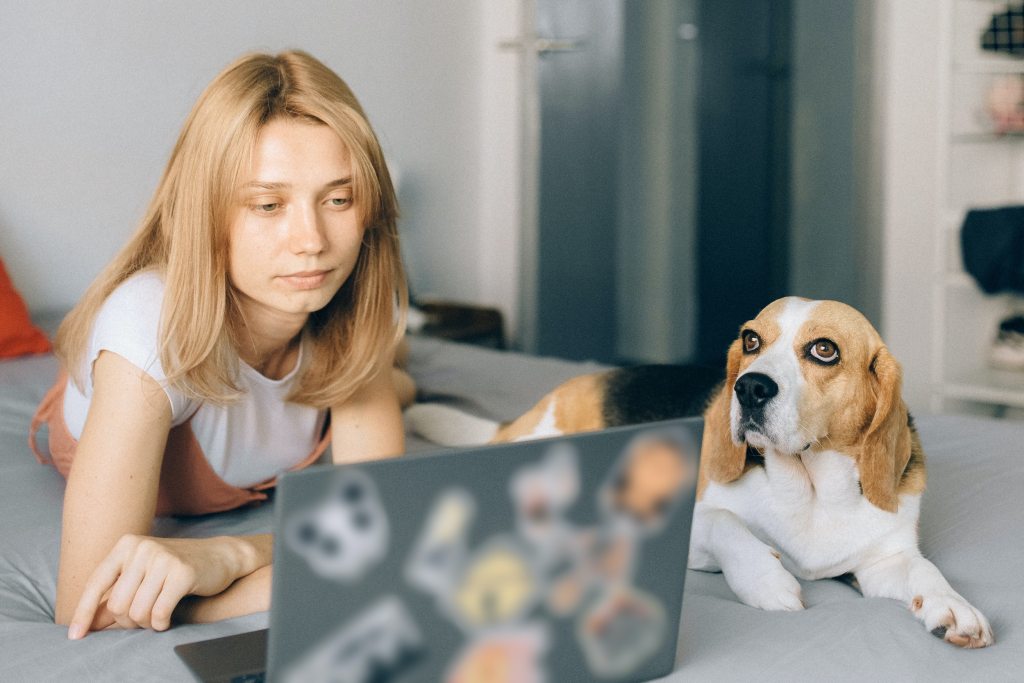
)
(18, 336)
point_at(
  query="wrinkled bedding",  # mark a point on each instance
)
(971, 527)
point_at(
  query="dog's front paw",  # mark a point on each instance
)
(764, 583)
(950, 617)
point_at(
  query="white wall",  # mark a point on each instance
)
(94, 94)
(908, 67)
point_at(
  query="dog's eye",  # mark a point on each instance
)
(824, 351)
(751, 342)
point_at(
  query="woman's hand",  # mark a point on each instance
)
(141, 581)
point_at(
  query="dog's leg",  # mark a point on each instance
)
(720, 541)
(913, 580)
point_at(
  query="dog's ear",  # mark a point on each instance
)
(885, 450)
(722, 458)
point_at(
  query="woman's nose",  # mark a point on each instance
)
(305, 232)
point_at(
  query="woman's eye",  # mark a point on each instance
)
(269, 207)
(751, 342)
(340, 201)
(825, 351)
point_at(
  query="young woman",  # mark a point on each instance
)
(252, 319)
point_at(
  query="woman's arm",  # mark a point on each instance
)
(369, 425)
(110, 571)
(248, 594)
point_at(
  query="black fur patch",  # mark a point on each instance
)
(850, 580)
(916, 460)
(650, 393)
(754, 458)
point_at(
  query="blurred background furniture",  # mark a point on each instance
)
(462, 322)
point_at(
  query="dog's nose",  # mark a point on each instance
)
(754, 389)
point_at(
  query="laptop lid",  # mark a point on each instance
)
(553, 560)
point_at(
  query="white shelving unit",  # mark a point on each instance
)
(977, 168)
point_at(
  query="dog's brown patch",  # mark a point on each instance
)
(721, 459)
(577, 406)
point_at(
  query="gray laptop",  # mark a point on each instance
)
(542, 561)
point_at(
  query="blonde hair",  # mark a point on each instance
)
(184, 235)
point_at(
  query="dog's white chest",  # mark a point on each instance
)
(811, 508)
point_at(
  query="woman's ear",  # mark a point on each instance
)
(722, 458)
(885, 450)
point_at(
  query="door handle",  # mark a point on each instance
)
(545, 45)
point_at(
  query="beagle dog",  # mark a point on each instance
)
(810, 464)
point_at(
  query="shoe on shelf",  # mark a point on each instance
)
(1007, 351)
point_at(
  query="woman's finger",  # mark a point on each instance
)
(123, 621)
(100, 581)
(176, 587)
(145, 597)
(133, 572)
(104, 618)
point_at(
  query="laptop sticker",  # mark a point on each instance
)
(344, 535)
(567, 591)
(605, 558)
(543, 492)
(500, 585)
(504, 656)
(648, 480)
(621, 631)
(379, 645)
(439, 555)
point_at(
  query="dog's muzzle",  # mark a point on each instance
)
(754, 391)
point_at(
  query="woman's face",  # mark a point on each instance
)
(295, 235)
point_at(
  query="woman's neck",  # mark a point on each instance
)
(274, 363)
(270, 343)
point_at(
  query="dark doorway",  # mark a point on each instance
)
(743, 219)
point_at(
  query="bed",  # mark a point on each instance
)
(971, 526)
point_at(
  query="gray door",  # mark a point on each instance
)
(614, 264)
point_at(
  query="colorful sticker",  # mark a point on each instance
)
(346, 534)
(621, 631)
(648, 480)
(604, 559)
(507, 656)
(378, 646)
(499, 586)
(542, 493)
(440, 553)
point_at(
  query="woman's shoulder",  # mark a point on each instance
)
(128, 324)
(143, 290)
(128, 321)
(134, 305)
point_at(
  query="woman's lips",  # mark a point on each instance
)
(310, 279)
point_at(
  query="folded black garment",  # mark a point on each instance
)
(1005, 33)
(992, 244)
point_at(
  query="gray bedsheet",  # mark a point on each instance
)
(971, 526)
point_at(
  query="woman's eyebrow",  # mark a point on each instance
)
(267, 185)
(264, 185)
